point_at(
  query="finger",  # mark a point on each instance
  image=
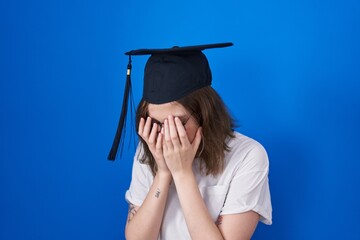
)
(159, 142)
(184, 140)
(141, 126)
(147, 128)
(173, 133)
(163, 143)
(195, 144)
(168, 141)
(153, 134)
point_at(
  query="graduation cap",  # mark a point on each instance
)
(170, 74)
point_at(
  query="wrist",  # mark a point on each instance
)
(180, 176)
(164, 176)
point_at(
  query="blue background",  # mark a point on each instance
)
(291, 81)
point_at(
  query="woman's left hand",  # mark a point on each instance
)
(179, 153)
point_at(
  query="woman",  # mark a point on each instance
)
(193, 176)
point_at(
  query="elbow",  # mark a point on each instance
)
(128, 235)
(134, 234)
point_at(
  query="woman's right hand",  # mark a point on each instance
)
(151, 134)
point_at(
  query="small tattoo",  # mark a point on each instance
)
(132, 212)
(157, 194)
(219, 220)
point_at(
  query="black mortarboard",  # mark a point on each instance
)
(170, 74)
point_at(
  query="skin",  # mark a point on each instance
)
(174, 148)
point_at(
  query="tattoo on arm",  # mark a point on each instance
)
(219, 220)
(132, 212)
(157, 194)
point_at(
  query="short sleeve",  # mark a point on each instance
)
(249, 188)
(140, 181)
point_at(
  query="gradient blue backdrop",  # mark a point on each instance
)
(291, 80)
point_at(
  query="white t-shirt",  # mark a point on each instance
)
(242, 186)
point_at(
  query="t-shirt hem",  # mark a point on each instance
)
(130, 200)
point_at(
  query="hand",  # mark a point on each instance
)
(179, 153)
(153, 138)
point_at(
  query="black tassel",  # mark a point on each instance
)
(120, 132)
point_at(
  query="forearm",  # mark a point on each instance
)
(146, 223)
(197, 217)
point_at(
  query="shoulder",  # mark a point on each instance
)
(246, 152)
